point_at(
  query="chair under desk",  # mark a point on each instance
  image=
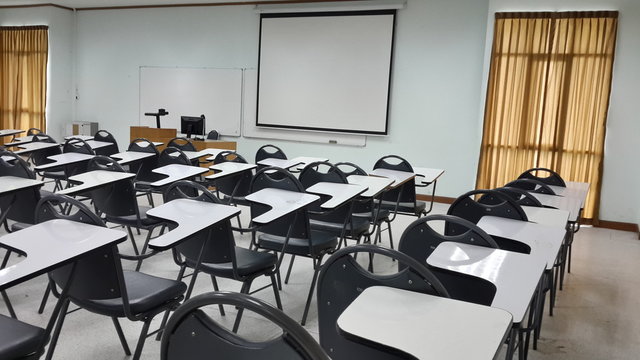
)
(425, 326)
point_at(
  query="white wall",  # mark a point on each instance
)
(435, 101)
(621, 179)
(61, 57)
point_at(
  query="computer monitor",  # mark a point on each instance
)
(192, 125)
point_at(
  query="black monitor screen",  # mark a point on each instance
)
(192, 125)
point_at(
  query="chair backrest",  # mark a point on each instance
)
(76, 146)
(553, 178)
(420, 239)
(217, 243)
(233, 185)
(179, 342)
(41, 157)
(342, 279)
(466, 207)
(522, 197)
(531, 186)
(213, 135)
(97, 275)
(173, 155)
(270, 152)
(21, 207)
(143, 169)
(405, 193)
(181, 143)
(105, 136)
(34, 131)
(273, 177)
(115, 199)
(349, 169)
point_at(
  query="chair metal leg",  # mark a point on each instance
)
(313, 285)
(141, 339)
(123, 340)
(133, 241)
(244, 290)
(45, 297)
(7, 302)
(286, 278)
(192, 283)
(276, 292)
(58, 328)
(215, 287)
(144, 248)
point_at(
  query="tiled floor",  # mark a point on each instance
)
(595, 318)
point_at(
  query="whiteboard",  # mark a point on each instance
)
(250, 130)
(214, 93)
(326, 71)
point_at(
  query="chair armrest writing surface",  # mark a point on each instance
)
(228, 168)
(544, 241)
(515, 275)
(128, 157)
(51, 244)
(282, 202)
(95, 144)
(11, 184)
(20, 140)
(547, 216)
(425, 326)
(81, 137)
(425, 176)
(281, 163)
(340, 193)
(191, 216)
(177, 172)
(571, 192)
(94, 179)
(375, 185)
(398, 177)
(306, 160)
(9, 132)
(572, 205)
(64, 159)
(34, 146)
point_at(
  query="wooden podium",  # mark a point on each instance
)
(165, 135)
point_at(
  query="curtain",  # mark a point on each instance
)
(547, 98)
(23, 77)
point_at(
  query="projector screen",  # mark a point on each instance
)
(325, 71)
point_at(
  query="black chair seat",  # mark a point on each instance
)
(19, 226)
(248, 262)
(383, 214)
(238, 200)
(354, 228)
(320, 241)
(132, 220)
(19, 339)
(405, 207)
(145, 293)
(57, 175)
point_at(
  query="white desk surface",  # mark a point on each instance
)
(547, 216)
(10, 184)
(8, 158)
(10, 132)
(426, 326)
(515, 275)
(211, 152)
(282, 202)
(20, 140)
(581, 186)
(157, 143)
(34, 146)
(64, 159)
(398, 177)
(281, 163)
(228, 168)
(340, 193)
(128, 157)
(191, 216)
(177, 172)
(375, 185)
(306, 160)
(51, 244)
(94, 179)
(573, 192)
(81, 137)
(570, 204)
(544, 241)
(425, 176)
(95, 144)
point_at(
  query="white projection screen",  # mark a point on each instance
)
(326, 71)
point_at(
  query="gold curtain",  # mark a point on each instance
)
(547, 98)
(23, 76)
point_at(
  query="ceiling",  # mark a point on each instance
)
(78, 4)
